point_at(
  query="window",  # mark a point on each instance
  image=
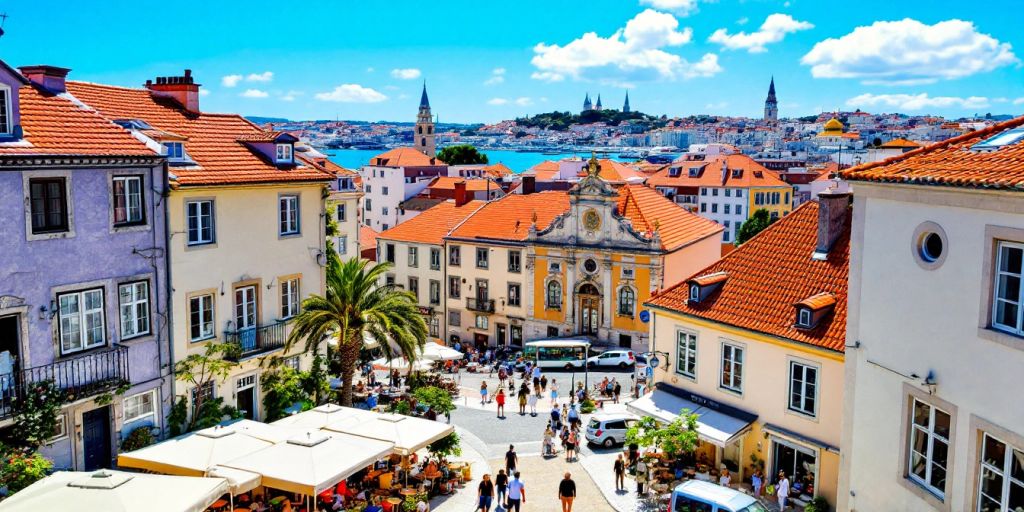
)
(49, 205)
(552, 331)
(627, 300)
(514, 295)
(515, 261)
(725, 236)
(201, 394)
(385, 211)
(435, 291)
(435, 259)
(346, 184)
(929, 447)
(60, 428)
(726, 209)
(341, 212)
(200, 312)
(133, 299)
(343, 244)
(481, 257)
(554, 295)
(292, 362)
(628, 273)
(555, 268)
(728, 191)
(128, 207)
(389, 253)
(414, 287)
(175, 151)
(140, 406)
(455, 318)
(714, 192)
(686, 354)
(694, 292)
(714, 208)
(739, 193)
(289, 298)
(389, 279)
(435, 326)
(1001, 478)
(703, 207)
(481, 322)
(368, 187)
(368, 205)
(703, 191)
(414, 257)
(739, 209)
(200, 222)
(384, 190)
(82, 324)
(289, 206)
(454, 256)
(732, 367)
(803, 388)
(454, 287)
(5, 110)
(803, 317)
(284, 153)
(1006, 310)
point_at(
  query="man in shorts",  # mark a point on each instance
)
(516, 493)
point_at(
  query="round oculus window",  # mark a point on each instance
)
(931, 247)
(590, 266)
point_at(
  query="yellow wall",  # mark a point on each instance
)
(641, 284)
(540, 274)
(782, 208)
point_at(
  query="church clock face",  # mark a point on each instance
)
(591, 220)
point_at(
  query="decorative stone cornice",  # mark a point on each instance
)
(42, 162)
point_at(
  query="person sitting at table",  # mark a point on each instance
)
(258, 505)
(431, 468)
(360, 388)
(338, 503)
(422, 506)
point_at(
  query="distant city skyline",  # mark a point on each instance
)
(487, 62)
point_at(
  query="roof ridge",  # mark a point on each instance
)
(640, 211)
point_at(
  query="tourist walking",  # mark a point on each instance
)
(501, 483)
(556, 419)
(483, 393)
(485, 494)
(549, 441)
(532, 401)
(617, 390)
(500, 399)
(570, 446)
(756, 481)
(567, 492)
(574, 415)
(516, 493)
(782, 490)
(543, 383)
(641, 476)
(536, 377)
(502, 374)
(511, 460)
(554, 392)
(620, 473)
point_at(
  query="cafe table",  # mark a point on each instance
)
(408, 491)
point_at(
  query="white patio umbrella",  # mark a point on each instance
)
(402, 363)
(239, 481)
(195, 453)
(320, 416)
(437, 352)
(408, 434)
(117, 491)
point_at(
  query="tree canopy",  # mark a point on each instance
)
(462, 154)
(758, 220)
(560, 121)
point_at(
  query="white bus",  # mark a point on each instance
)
(558, 353)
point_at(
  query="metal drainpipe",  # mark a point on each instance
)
(170, 288)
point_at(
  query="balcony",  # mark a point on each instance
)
(254, 341)
(78, 377)
(480, 305)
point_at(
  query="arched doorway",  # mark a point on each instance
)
(590, 309)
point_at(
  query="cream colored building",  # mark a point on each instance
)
(933, 412)
(343, 204)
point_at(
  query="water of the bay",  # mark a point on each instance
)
(518, 162)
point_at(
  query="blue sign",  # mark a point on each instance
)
(645, 316)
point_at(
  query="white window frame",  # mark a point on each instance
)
(632, 302)
(414, 287)
(293, 362)
(128, 418)
(208, 298)
(435, 258)
(434, 292)
(515, 261)
(932, 438)
(803, 317)
(481, 322)
(735, 364)
(1004, 471)
(81, 315)
(135, 309)
(139, 202)
(798, 388)
(289, 298)
(342, 244)
(283, 153)
(174, 151)
(288, 215)
(198, 214)
(687, 352)
(553, 301)
(340, 212)
(455, 256)
(515, 291)
(60, 429)
(695, 292)
(484, 261)
(414, 257)
(1018, 329)
(7, 104)
(454, 292)
(435, 326)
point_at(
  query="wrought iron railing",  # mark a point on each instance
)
(253, 341)
(480, 305)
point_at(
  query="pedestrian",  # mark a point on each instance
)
(500, 399)
(549, 441)
(502, 374)
(723, 477)
(536, 377)
(554, 392)
(556, 419)
(543, 383)
(485, 494)
(511, 460)
(501, 483)
(523, 391)
(483, 393)
(532, 401)
(570, 446)
(617, 390)
(516, 493)
(641, 476)
(574, 415)
(756, 482)
(567, 492)
(620, 473)
(783, 490)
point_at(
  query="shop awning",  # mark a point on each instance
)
(406, 433)
(714, 426)
(195, 453)
(117, 491)
(785, 432)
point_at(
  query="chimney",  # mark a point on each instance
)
(529, 185)
(725, 170)
(833, 207)
(181, 89)
(461, 196)
(50, 78)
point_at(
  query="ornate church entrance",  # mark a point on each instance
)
(590, 309)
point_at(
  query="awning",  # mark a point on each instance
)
(239, 481)
(796, 436)
(713, 426)
(117, 491)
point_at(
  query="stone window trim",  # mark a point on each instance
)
(618, 301)
(23, 310)
(147, 197)
(911, 392)
(184, 227)
(916, 241)
(69, 203)
(994, 235)
(102, 284)
(213, 292)
(817, 366)
(742, 346)
(978, 427)
(150, 297)
(684, 331)
(280, 290)
(256, 283)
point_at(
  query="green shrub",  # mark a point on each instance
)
(818, 504)
(138, 438)
(20, 469)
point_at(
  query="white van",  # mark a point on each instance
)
(698, 496)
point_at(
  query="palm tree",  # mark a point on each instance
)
(357, 305)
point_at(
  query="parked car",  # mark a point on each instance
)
(609, 429)
(699, 496)
(620, 358)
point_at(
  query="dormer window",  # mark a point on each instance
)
(803, 318)
(5, 111)
(346, 184)
(284, 154)
(694, 292)
(694, 172)
(810, 311)
(702, 287)
(736, 173)
(175, 151)
(674, 171)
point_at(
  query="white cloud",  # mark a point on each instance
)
(291, 95)
(254, 93)
(231, 80)
(773, 30)
(265, 76)
(352, 93)
(633, 53)
(497, 101)
(908, 52)
(1018, 101)
(742, 21)
(405, 74)
(370, 70)
(524, 101)
(680, 7)
(917, 101)
(204, 92)
(497, 77)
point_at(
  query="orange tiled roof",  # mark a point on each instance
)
(431, 226)
(614, 172)
(546, 165)
(213, 139)
(752, 174)
(767, 275)
(900, 143)
(646, 209)
(818, 301)
(263, 136)
(404, 157)
(953, 163)
(509, 218)
(54, 125)
(498, 170)
(707, 279)
(367, 238)
(472, 184)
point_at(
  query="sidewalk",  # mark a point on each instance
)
(475, 452)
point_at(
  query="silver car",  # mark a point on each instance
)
(609, 429)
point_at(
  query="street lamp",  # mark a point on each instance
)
(652, 362)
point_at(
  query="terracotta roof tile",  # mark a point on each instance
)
(752, 174)
(509, 218)
(55, 125)
(646, 207)
(431, 226)
(953, 163)
(707, 279)
(367, 238)
(767, 275)
(818, 301)
(498, 170)
(404, 157)
(472, 184)
(615, 172)
(900, 143)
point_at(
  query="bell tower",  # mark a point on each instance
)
(771, 105)
(423, 137)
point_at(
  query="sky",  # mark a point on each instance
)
(485, 61)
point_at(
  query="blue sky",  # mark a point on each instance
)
(485, 61)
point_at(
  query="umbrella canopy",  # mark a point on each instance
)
(312, 461)
(239, 481)
(437, 352)
(402, 363)
(407, 433)
(323, 415)
(116, 491)
(195, 453)
(269, 432)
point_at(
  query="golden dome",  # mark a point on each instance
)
(833, 125)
